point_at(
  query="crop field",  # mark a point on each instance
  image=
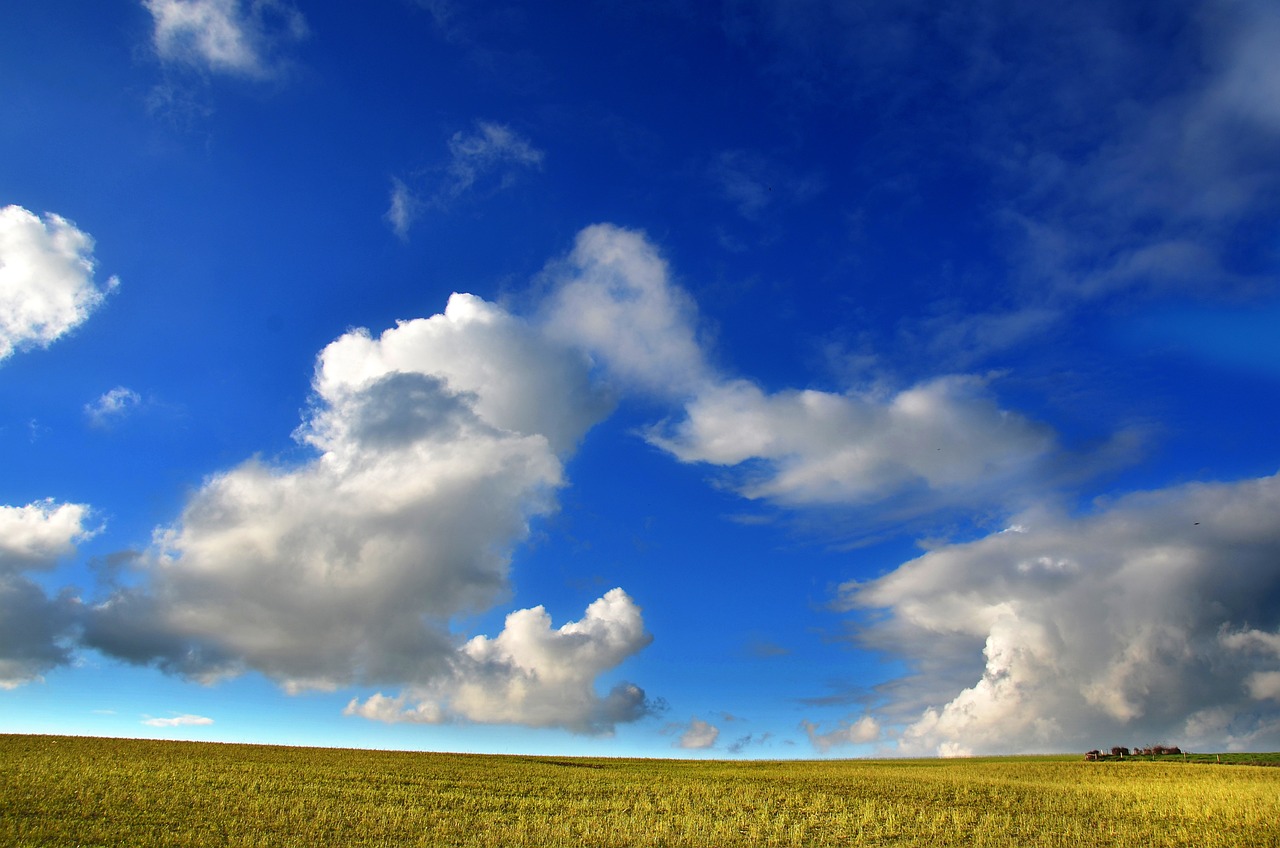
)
(71, 791)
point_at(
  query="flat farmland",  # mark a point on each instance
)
(75, 791)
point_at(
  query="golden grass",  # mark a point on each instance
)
(62, 791)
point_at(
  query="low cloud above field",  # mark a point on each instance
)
(697, 735)
(861, 732)
(1154, 618)
(186, 720)
(47, 285)
(532, 674)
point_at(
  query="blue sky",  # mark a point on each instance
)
(743, 379)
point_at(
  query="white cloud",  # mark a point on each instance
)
(614, 297)
(1071, 630)
(46, 279)
(228, 36)
(698, 736)
(36, 535)
(441, 439)
(947, 435)
(187, 720)
(515, 379)
(33, 627)
(112, 406)
(946, 438)
(437, 443)
(861, 732)
(531, 674)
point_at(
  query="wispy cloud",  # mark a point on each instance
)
(754, 183)
(1120, 163)
(483, 162)
(750, 740)
(763, 648)
(404, 208)
(238, 37)
(112, 406)
(47, 285)
(491, 150)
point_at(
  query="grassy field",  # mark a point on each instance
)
(68, 791)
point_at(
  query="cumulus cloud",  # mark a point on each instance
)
(33, 626)
(46, 279)
(814, 447)
(614, 297)
(1067, 631)
(513, 376)
(533, 675)
(863, 731)
(112, 406)
(698, 735)
(36, 535)
(238, 37)
(187, 720)
(948, 438)
(436, 444)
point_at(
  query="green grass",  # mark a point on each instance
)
(69, 791)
